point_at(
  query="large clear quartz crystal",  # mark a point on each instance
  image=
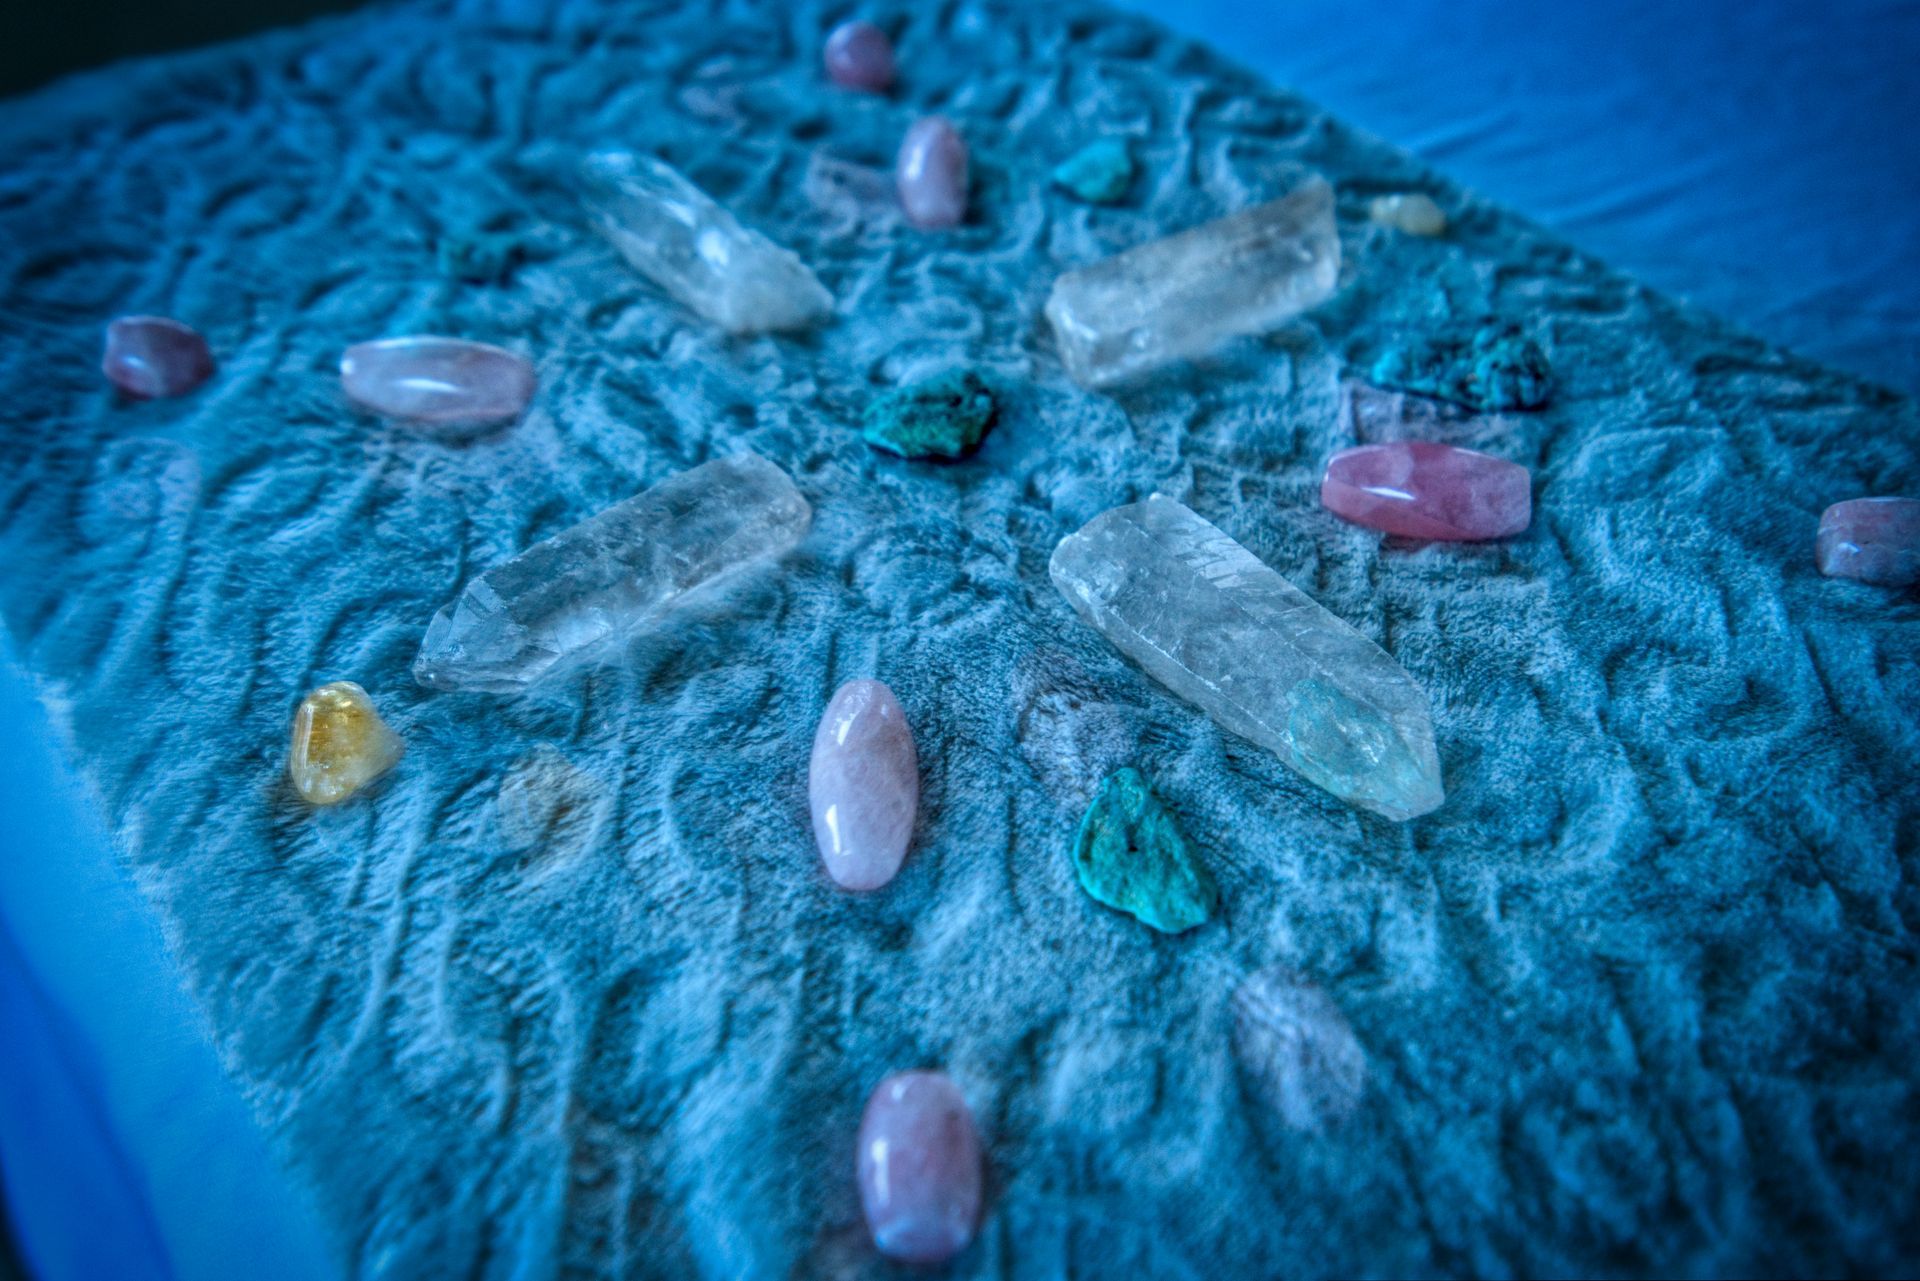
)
(610, 575)
(675, 235)
(1254, 652)
(1181, 296)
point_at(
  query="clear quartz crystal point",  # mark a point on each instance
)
(1178, 297)
(675, 235)
(610, 575)
(1212, 623)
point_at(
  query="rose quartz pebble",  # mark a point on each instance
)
(1876, 540)
(437, 380)
(1418, 489)
(864, 785)
(152, 357)
(859, 56)
(919, 1166)
(931, 173)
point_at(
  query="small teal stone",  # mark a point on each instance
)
(1131, 855)
(480, 258)
(1099, 173)
(944, 417)
(1495, 367)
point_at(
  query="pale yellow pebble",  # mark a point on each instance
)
(340, 744)
(1413, 213)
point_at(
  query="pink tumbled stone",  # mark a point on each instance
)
(931, 173)
(152, 357)
(919, 1166)
(859, 56)
(1418, 489)
(1875, 540)
(863, 785)
(441, 381)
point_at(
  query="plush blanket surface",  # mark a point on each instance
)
(569, 993)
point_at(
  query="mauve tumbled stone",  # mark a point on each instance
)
(152, 357)
(859, 56)
(919, 1167)
(1418, 489)
(439, 381)
(863, 785)
(1874, 540)
(931, 173)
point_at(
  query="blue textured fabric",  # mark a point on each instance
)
(499, 1060)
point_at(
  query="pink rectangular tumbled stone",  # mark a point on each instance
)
(1419, 489)
(1876, 540)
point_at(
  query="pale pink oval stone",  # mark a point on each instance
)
(863, 785)
(1419, 489)
(931, 173)
(435, 380)
(919, 1168)
(1874, 540)
(152, 357)
(859, 56)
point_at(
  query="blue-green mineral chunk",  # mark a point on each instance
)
(1495, 367)
(1131, 855)
(1099, 173)
(944, 416)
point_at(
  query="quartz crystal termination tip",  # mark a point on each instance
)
(1181, 296)
(1212, 623)
(677, 236)
(611, 575)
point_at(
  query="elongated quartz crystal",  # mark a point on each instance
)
(675, 235)
(1181, 296)
(610, 575)
(1210, 622)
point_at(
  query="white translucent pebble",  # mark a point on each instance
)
(675, 235)
(611, 575)
(1413, 213)
(1212, 623)
(1182, 296)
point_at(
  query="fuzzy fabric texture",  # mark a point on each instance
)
(569, 992)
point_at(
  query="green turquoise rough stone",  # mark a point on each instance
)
(1494, 367)
(1099, 173)
(1131, 854)
(945, 416)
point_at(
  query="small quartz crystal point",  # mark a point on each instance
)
(1490, 367)
(919, 1168)
(1182, 296)
(1411, 212)
(863, 785)
(1131, 855)
(859, 56)
(1419, 489)
(1099, 173)
(931, 173)
(1205, 618)
(944, 417)
(675, 235)
(340, 744)
(154, 358)
(435, 381)
(611, 575)
(1874, 540)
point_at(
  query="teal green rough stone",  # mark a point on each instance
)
(1131, 854)
(945, 416)
(1099, 173)
(480, 257)
(1495, 367)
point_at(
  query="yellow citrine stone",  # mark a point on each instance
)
(340, 744)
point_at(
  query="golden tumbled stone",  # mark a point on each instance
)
(340, 744)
